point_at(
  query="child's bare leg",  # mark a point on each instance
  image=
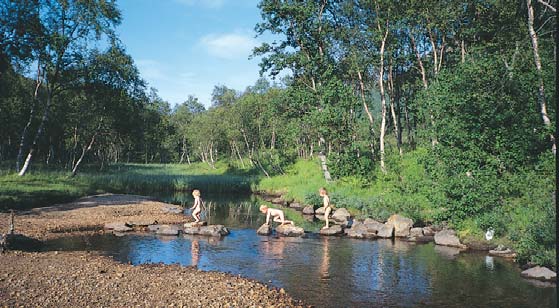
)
(326, 214)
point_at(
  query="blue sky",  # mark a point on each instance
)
(186, 47)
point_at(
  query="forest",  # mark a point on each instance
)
(441, 110)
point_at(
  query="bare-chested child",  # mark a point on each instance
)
(327, 207)
(277, 214)
(197, 205)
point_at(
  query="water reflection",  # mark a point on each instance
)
(337, 272)
(330, 271)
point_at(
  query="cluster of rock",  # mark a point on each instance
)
(168, 229)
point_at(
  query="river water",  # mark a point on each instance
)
(331, 271)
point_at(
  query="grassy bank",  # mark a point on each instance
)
(525, 220)
(43, 186)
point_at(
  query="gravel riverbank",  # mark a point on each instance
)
(81, 279)
(88, 279)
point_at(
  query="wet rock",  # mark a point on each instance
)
(361, 230)
(296, 206)
(319, 211)
(386, 231)
(290, 230)
(333, 230)
(421, 239)
(428, 231)
(168, 230)
(402, 225)
(308, 210)
(539, 273)
(415, 232)
(341, 217)
(171, 209)
(265, 229)
(210, 230)
(118, 227)
(195, 224)
(502, 252)
(153, 228)
(448, 237)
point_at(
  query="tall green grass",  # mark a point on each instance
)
(44, 186)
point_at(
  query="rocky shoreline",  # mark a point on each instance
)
(397, 227)
(87, 279)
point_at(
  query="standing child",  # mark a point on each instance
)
(326, 203)
(197, 205)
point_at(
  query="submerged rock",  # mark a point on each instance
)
(539, 273)
(211, 230)
(332, 230)
(265, 229)
(402, 225)
(289, 230)
(448, 237)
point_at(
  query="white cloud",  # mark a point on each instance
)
(229, 46)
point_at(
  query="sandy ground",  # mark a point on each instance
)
(87, 279)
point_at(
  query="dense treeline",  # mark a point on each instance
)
(365, 82)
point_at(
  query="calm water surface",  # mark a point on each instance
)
(332, 272)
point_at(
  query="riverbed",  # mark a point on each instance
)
(329, 271)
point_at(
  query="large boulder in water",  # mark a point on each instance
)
(539, 273)
(361, 230)
(290, 230)
(265, 229)
(308, 210)
(448, 237)
(341, 217)
(402, 225)
(386, 231)
(168, 230)
(211, 230)
(332, 230)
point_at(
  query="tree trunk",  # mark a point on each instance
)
(367, 111)
(84, 151)
(434, 140)
(31, 114)
(37, 135)
(382, 98)
(537, 60)
(392, 111)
